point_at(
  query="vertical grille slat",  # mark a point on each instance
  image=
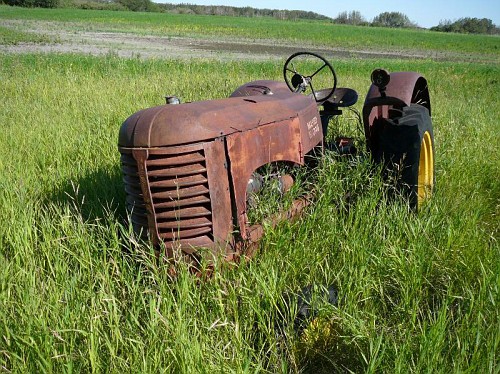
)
(179, 192)
(136, 207)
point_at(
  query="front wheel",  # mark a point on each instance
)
(405, 146)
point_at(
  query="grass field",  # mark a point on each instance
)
(418, 292)
(315, 33)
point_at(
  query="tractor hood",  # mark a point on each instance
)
(177, 124)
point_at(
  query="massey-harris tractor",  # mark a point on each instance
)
(189, 168)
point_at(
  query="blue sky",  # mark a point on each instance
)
(425, 13)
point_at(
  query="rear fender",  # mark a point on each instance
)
(404, 88)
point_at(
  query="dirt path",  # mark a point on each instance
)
(68, 39)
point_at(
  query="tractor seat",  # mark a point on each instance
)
(341, 98)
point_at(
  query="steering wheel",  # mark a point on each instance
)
(299, 82)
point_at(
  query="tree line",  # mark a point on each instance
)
(468, 26)
(222, 10)
(397, 19)
(385, 19)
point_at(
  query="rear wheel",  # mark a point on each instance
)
(405, 145)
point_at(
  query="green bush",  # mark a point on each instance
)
(139, 5)
(393, 19)
(96, 5)
(351, 18)
(468, 26)
(33, 3)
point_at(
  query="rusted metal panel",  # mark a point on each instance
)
(249, 150)
(126, 134)
(311, 130)
(220, 197)
(173, 125)
(261, 87)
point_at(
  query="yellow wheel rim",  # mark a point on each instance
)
(425, 169)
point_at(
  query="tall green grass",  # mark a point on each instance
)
(418, 292)
(314, 33)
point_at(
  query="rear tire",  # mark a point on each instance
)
(404, 143)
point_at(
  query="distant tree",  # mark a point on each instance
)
(91, 4)
(247, 11)
(182, 10)
(468, 26)
(34, 3)
(139, 5)
(393, 19)
(350, 18)
(280, 14)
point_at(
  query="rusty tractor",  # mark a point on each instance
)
(189, 168)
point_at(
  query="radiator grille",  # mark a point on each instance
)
(179, 193)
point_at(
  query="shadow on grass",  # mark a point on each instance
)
(96, 195)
